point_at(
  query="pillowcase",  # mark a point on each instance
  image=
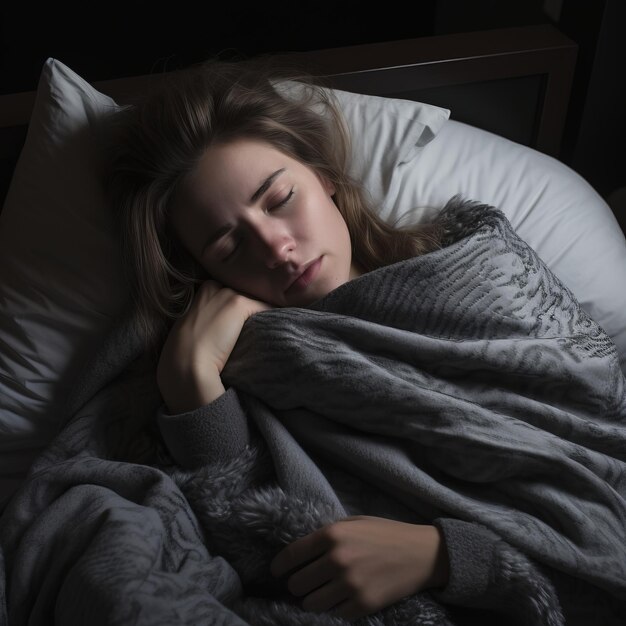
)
(61, 280)
(391, 135)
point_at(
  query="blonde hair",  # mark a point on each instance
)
(157, 141)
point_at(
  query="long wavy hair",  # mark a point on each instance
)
(156, 141)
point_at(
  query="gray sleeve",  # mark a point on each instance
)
(217, 431)
(487, 573)
(470, 553)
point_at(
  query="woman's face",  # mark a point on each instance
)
(263, 224)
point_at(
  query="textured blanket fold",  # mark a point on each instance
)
(504, 398)
(467, 383)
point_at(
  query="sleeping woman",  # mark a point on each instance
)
(233, 199)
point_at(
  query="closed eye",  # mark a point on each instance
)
(282, 202)
(278, 205)
(232, 253)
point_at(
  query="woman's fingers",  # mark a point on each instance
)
(311, 577)
(201, 341)
(333, 594)
(300, 552)
(219, 296)
(349, 610)
(217, 310)
(219, 325)
(375, 561)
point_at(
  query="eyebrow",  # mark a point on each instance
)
(265, 185)
(220, 232)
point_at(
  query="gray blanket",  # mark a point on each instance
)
(465, 383)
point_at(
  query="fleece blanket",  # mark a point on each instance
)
(465, 383)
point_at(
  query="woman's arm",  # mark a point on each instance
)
(216, 431)
(363, 564)
(468, 568)
(200, 421)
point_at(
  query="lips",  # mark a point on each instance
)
(307, 276)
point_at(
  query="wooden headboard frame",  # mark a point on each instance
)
(456, 71)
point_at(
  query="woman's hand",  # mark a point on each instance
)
(362, 564)
(199, 344)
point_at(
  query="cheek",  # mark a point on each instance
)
(343, 235)
(331, 223)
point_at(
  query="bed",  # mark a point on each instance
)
(475, 114)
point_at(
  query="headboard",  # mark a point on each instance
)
(514, 82)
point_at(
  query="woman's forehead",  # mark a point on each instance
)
(238, 171)
(245, 156)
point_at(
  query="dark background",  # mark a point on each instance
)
(108, 41)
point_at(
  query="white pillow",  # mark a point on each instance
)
(60, 275)
(391, 134)
(551, 207)
(59, 267)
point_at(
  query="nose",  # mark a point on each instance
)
(276, 244)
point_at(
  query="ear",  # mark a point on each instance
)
(329, 186)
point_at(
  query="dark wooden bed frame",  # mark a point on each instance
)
(514, 82)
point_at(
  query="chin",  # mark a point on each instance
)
(301, 301)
